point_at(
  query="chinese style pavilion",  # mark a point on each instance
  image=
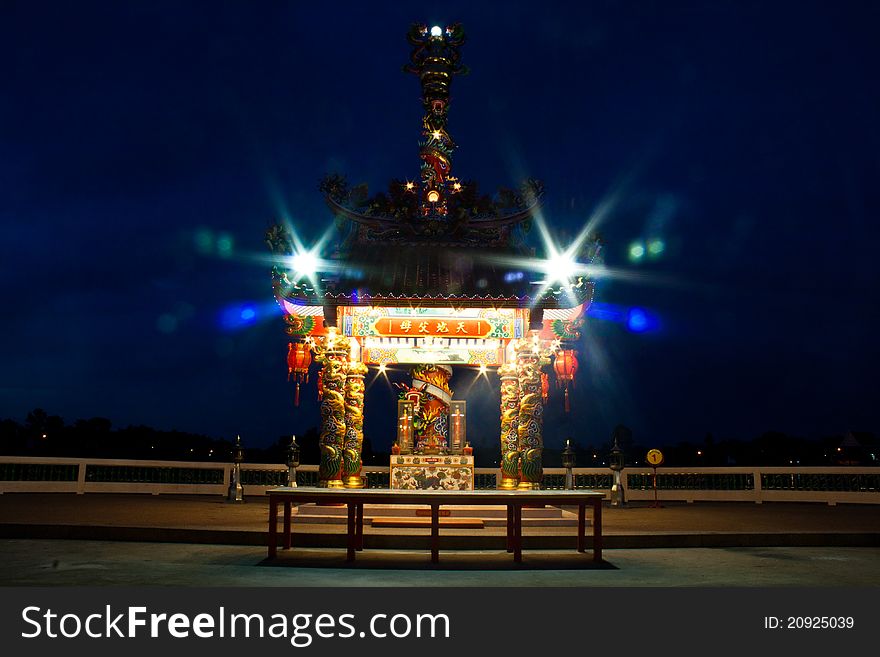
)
(432, 275)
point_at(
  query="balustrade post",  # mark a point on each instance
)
(235, 493)
(81, 477)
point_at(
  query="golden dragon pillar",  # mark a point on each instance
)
(334, 358)
(531, 416)
(352, 461)
(509, 425)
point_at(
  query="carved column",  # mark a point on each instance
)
(334, 357)
(354, 426)
(531, 416)
(509, 424)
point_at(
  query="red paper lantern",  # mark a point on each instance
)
(299, 357)
(565, 366)
(545, 387)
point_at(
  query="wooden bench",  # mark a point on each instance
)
(355, 499)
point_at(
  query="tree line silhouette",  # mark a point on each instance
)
(42, 434)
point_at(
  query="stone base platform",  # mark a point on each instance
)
(407, 515)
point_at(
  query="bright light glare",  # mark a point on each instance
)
(656, 247)
(436, 31)
(382, 368)
(561, 264)
(561, 267)
(305, 263)
(483, 368)
(636, 251)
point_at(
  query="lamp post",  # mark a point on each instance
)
(292, 462)
(568, 459)
(235, 493)
(616, 463)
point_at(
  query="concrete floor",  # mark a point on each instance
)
(143, 540)
(110, 563)
(209, 519)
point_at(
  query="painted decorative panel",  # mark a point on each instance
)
(432, 472)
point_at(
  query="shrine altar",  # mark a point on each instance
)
(432, 472)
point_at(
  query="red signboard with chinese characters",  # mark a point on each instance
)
(405, 327)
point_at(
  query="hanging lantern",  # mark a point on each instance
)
(565, 366)
(545, 387)
(299, 357)
(320, 384)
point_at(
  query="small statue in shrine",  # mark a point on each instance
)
(431, 397)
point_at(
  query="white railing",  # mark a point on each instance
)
(829, 485)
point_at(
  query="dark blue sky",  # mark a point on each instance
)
(145, 147)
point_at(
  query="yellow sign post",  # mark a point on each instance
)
(655, 458)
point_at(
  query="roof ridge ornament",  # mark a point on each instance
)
(439, 207)
(435, 59)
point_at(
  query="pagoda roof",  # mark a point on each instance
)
(427, 275)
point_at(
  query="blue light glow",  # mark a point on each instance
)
(637, 321)
(237, 316)
(606, 312)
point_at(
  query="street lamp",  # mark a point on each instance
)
(235, 493)
(568, 459)
(292, 462)
(616, 463)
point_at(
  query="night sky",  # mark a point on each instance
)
(146, 146)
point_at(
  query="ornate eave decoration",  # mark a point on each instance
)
(469, 218)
